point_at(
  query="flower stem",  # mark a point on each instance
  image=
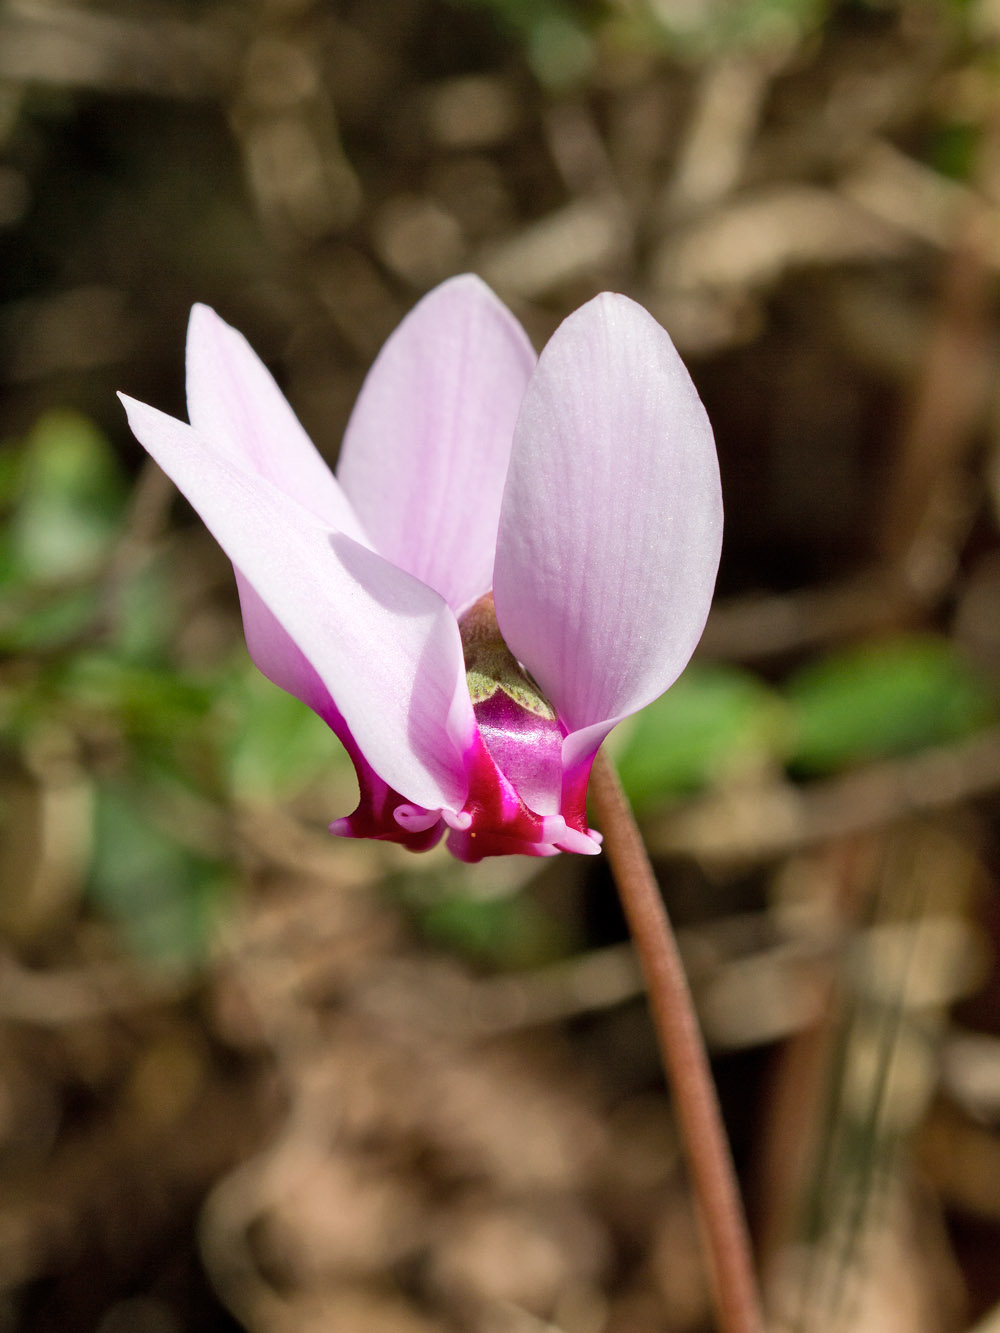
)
(684, 1058)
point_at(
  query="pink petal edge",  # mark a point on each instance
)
(426, 450)
(234, 401)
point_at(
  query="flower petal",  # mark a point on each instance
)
(233, 399)
(611, 524)
(383, 645)
(426, 449)
(278, 657)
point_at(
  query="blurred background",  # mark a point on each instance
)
(252, 1077)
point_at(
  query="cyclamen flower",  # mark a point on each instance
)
(515, 554)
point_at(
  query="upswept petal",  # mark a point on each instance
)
(611, 525)
(385, 646)
(426, 450)
(279, 658)
(233, 399)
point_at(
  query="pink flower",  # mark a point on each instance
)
(580, 490)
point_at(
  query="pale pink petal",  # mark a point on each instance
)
(427, 446)
(611, 524)
(276, 655)
(383, 645)
(233, 399)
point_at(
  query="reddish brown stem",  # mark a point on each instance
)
(684, 1058)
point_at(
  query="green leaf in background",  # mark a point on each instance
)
(707, 29)
(952, 150)
(11, 471)
(492, 917)
(511, 931)
(715, 720)
(147, 701)
(555, 34)
(165, 898)
(46, 619)
(884, 698)
(64, 496)
(69, 501)
(143, 615)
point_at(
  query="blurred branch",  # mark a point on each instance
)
(772, 818)
(286, 127)
(745, 994)
(949, 392)
(991, 1323)
(79, 48)
(724, 121)
(58, 997)
(752, 628)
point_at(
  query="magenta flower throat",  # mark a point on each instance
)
(516, 553)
